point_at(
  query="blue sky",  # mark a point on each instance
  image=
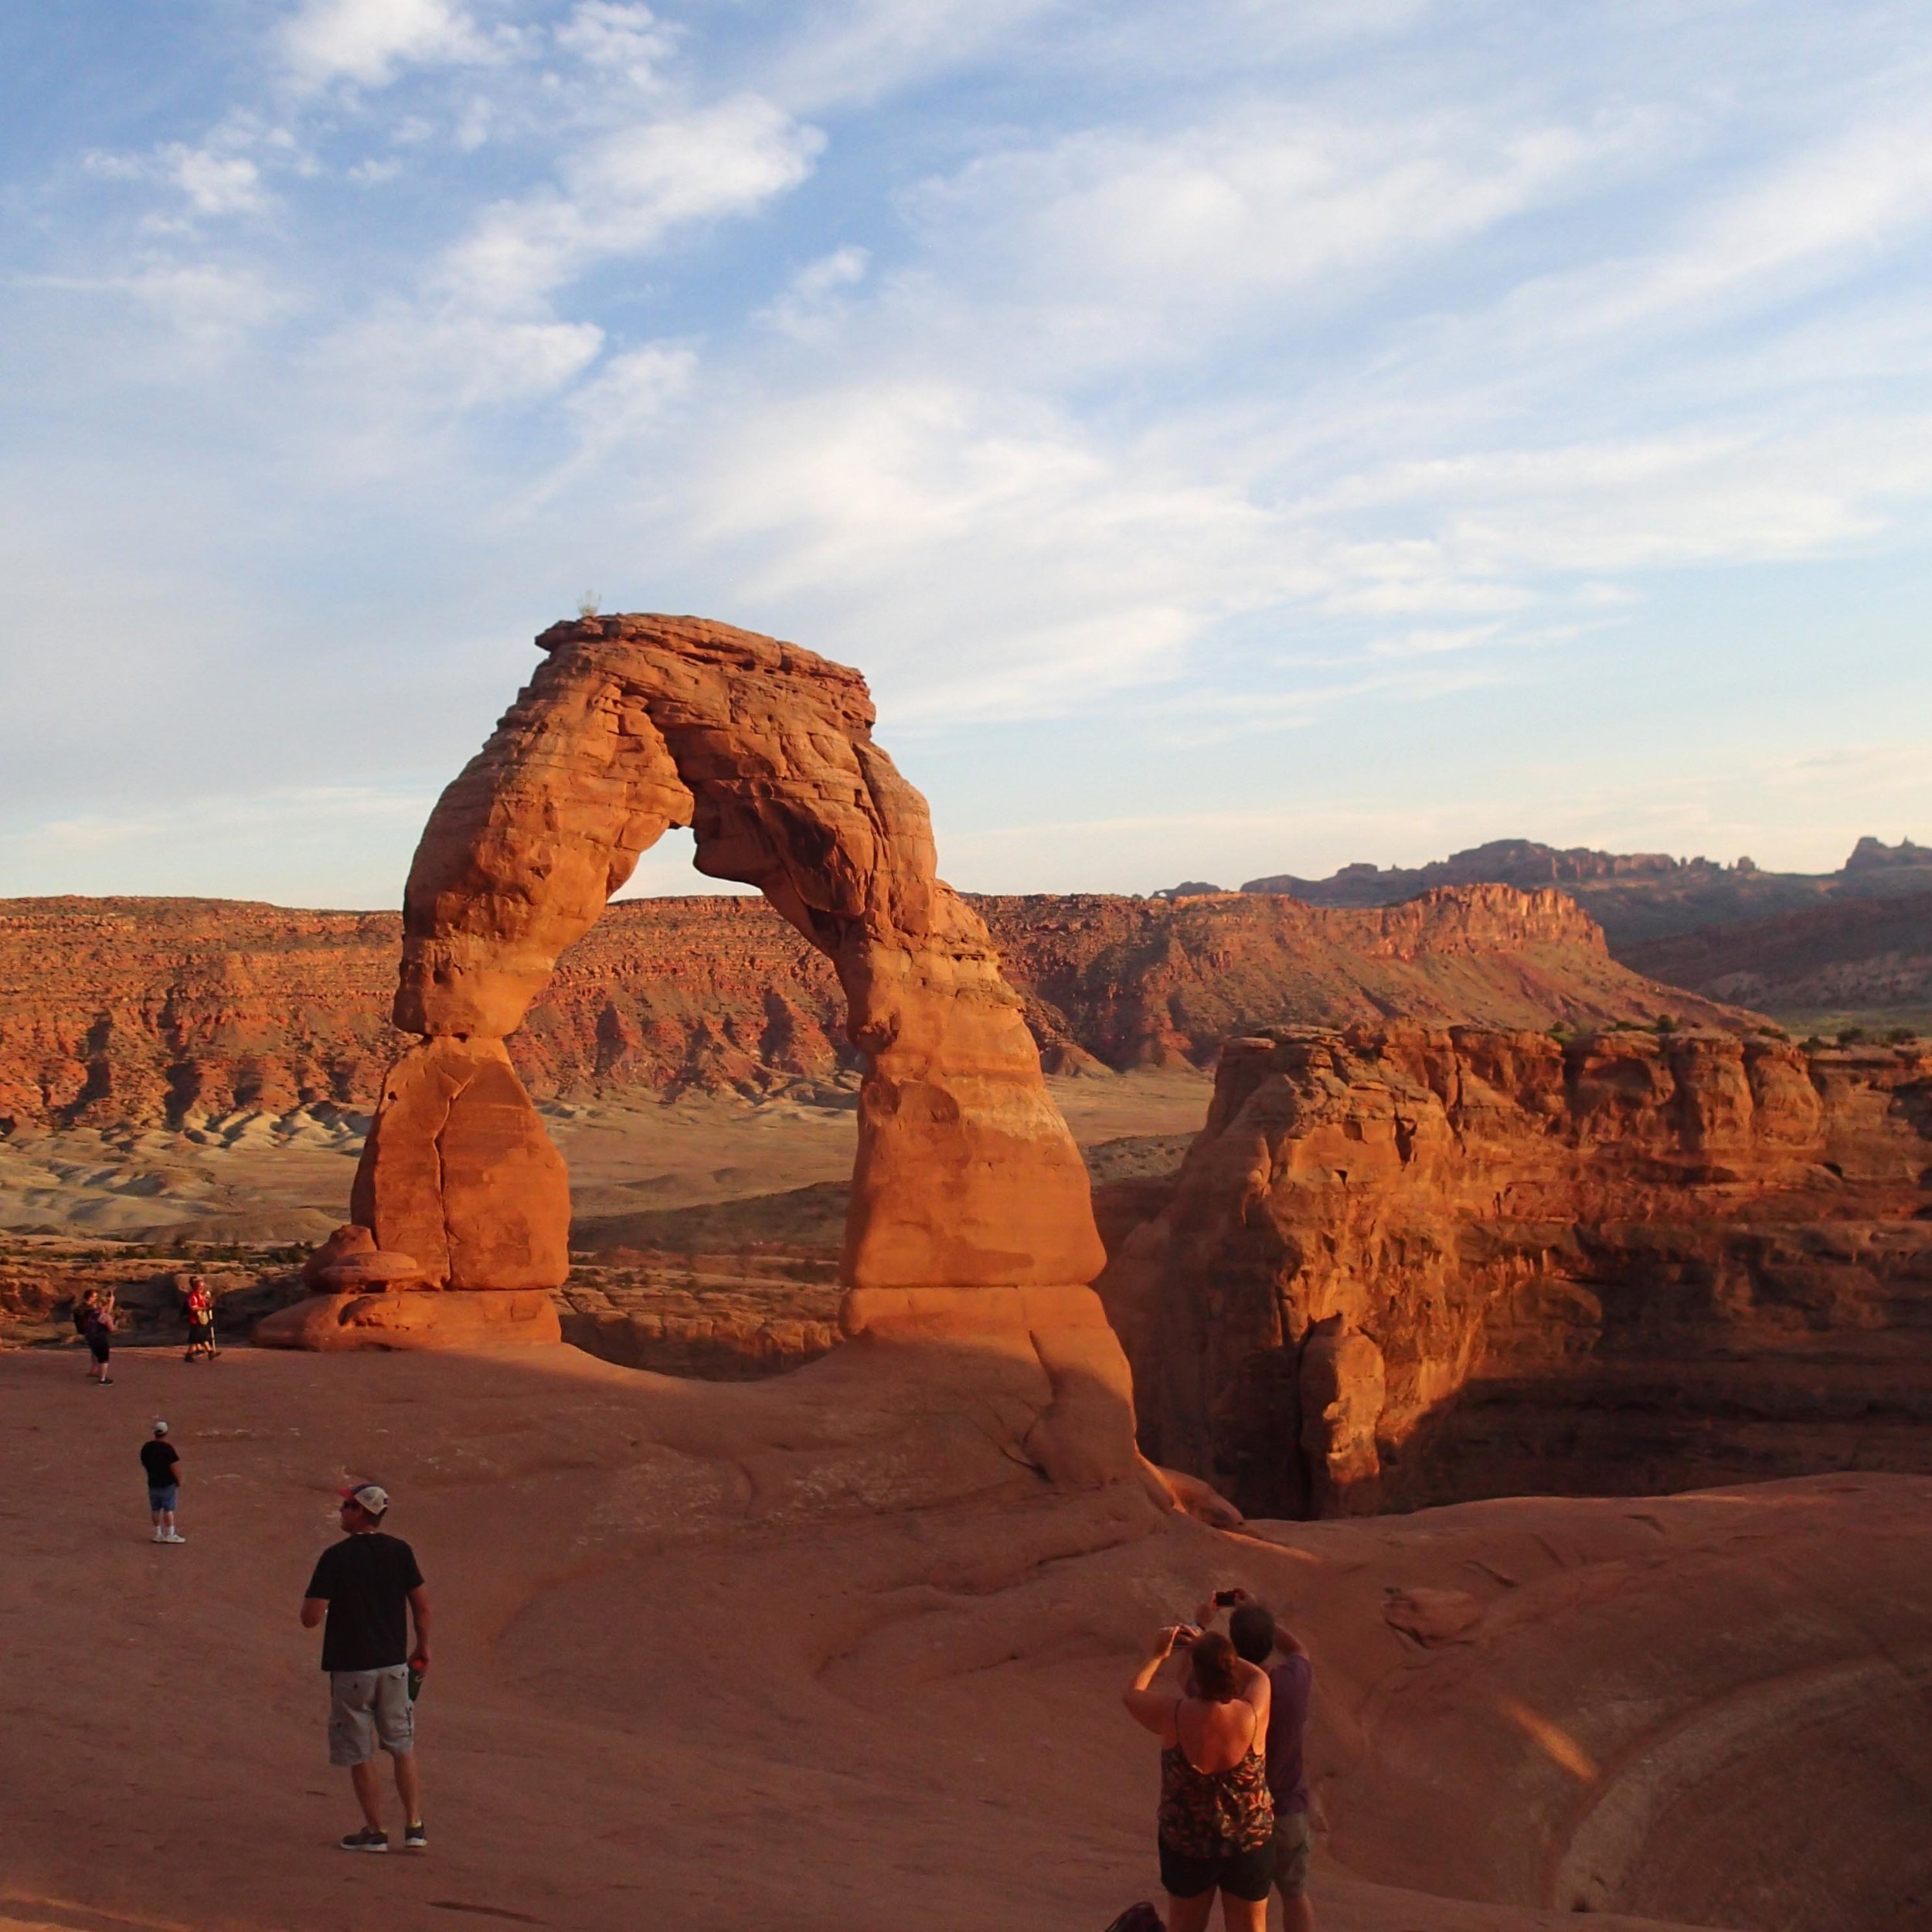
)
(1233, 437)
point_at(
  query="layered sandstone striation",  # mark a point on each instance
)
(1405, 1265)
(203, 1013)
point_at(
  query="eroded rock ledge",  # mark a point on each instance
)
(1405, 1265)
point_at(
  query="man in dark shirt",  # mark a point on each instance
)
(162, 1465)
(361, 1586)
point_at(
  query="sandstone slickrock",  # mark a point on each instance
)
(1532, 1713)
(173, 1013)
(1405, 1265)
(394, 1317)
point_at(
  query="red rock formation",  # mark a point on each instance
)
(970, 1216)
(152, 1013)
(1404, 1265)
(458, 1172)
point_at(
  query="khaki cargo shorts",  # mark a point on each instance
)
(367, 1708)
(1293, 1844)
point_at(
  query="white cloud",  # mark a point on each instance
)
(811, 306)
(618, 408)
(369, 42)
(404, 360)
(219, 175)
(216, 184)
(1769, 237)
(619, 39)
(839, 52)
(624, 193)
(213, 303)
(1112, 245)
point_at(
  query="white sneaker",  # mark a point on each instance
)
(174, 1537)
(161, 1536)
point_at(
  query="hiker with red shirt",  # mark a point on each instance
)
(200, 1320)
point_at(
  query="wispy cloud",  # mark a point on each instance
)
(369, 42)
(1318, 390)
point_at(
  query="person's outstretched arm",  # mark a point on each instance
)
(1288, 1643)
(1154, 1709)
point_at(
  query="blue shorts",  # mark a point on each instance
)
(163, 1498)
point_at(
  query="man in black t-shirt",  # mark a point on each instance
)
(163, 1469)
(362, 1586)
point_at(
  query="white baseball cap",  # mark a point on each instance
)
(371, 1496)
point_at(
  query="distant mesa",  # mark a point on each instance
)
(1634, 896)
(1188, 889)
(1874, 855)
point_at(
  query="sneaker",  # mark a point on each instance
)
(416, 1838)
(161, 1536)
(366, 1840)
(174, 1536)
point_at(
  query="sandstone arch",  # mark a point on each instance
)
(971, 1217)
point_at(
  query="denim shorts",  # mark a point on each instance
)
(163, 1498)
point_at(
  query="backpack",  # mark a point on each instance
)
(1138, 1918)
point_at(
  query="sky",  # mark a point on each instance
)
(1233, 437)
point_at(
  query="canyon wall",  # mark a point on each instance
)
(168, 1011)
(1868, 956)
(1406, 1265)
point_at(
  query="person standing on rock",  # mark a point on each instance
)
(1257, 1637)
(163, 1465)
(200, 1320)
(101, 1339)
(362, 1586)
(84, 1315)
(1216, 1818)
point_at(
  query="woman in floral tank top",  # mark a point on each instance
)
(1216, 1819)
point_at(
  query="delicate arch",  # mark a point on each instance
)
(966, 1175)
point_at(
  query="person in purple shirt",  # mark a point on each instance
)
(1258, 1639)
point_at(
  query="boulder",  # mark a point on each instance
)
(453, 1319)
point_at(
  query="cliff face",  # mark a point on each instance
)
(1869, 955)
(1406, 1265)
(167, 1011)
